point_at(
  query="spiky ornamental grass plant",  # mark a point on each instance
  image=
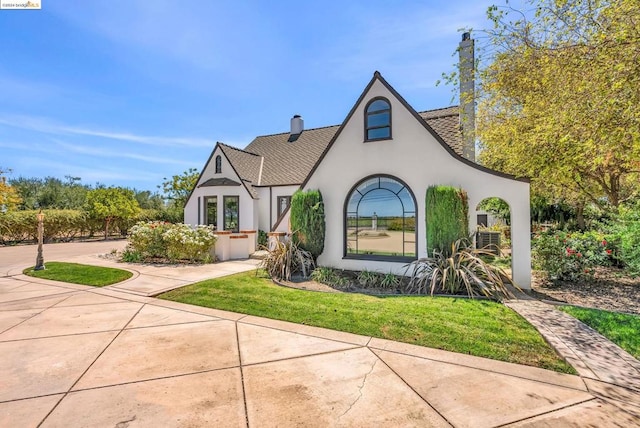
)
(447, 217)
(307, 219)
(287, 258)
(457, 270)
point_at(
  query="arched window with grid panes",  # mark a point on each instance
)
(377, 120)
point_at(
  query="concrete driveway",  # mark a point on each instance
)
(74, 356)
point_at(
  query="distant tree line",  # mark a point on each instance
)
(73, 209)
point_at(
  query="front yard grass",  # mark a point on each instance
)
(75, 273)
(621, 329)
(476, 327)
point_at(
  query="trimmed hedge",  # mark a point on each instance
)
(307, 221)
(447, 217)
(62, 225)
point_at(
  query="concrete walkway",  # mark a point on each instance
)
(81, 356)
(595, 358)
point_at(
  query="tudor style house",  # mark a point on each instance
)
(373, 171)
(377, 163)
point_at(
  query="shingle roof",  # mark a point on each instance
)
(212, 182)
(446, 123)
(290, 163)
(246, 164)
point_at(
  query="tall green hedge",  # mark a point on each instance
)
(307, 221)
(64, 225)
(447, 217)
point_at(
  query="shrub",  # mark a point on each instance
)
(287, 258)
(447, 217)
(158, 239)
(396, 224)
(368, 279)
(626, 238)
(329, 276)
(146, 238)
(461, 269)
(186, 243)
(263, 239)
(389, 280)
(569, 256)
(307, 220)
(19, 226)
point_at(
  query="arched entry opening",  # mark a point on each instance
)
(493, 230)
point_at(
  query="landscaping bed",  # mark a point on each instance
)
(610, 289)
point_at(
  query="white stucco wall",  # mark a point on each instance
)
(247, 216)
(268, 205)
(415, 157)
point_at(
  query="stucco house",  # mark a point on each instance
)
(374, 167)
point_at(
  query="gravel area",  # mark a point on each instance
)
(610, 290)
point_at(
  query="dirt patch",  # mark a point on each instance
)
(610, 289)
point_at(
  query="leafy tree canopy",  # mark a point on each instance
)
(559, 98)
(178, 188)
(9, 197)
(110, 203)
(51, 192)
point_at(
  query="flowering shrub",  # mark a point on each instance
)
(569, 256)
(146, 239)
(156, 239)
(185, 243)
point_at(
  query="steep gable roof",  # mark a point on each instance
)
(246, 164)
(272, 160)
(289, 163)
(441, 120)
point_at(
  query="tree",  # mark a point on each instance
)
(9, 198)
(112, 203)
(149, 201)
(51, 192)
(308, 221)
(559, 99)
(178, 188)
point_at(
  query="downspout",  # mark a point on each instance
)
(270, 209)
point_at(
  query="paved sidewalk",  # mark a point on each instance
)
(592, 355)
(73, 355)
(79, 356)
(147, 280)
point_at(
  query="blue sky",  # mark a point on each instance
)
(128, 92)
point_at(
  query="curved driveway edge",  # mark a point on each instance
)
(73, 355)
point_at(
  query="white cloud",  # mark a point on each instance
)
(86, 150)
(48, 126)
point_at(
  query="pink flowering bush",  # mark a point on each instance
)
(569, 256)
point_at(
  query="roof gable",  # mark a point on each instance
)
(440, 119)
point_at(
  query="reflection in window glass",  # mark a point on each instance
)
(378, 120)
(380, 220)
(231, 213)
(211, 211)
(283, 204)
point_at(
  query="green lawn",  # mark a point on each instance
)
(621, 329)
(477, 327)
(80, 274)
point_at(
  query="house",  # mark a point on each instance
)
(373, 171)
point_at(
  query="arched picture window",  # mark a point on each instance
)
(218, 164)
(378, 120)
(380, 220)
